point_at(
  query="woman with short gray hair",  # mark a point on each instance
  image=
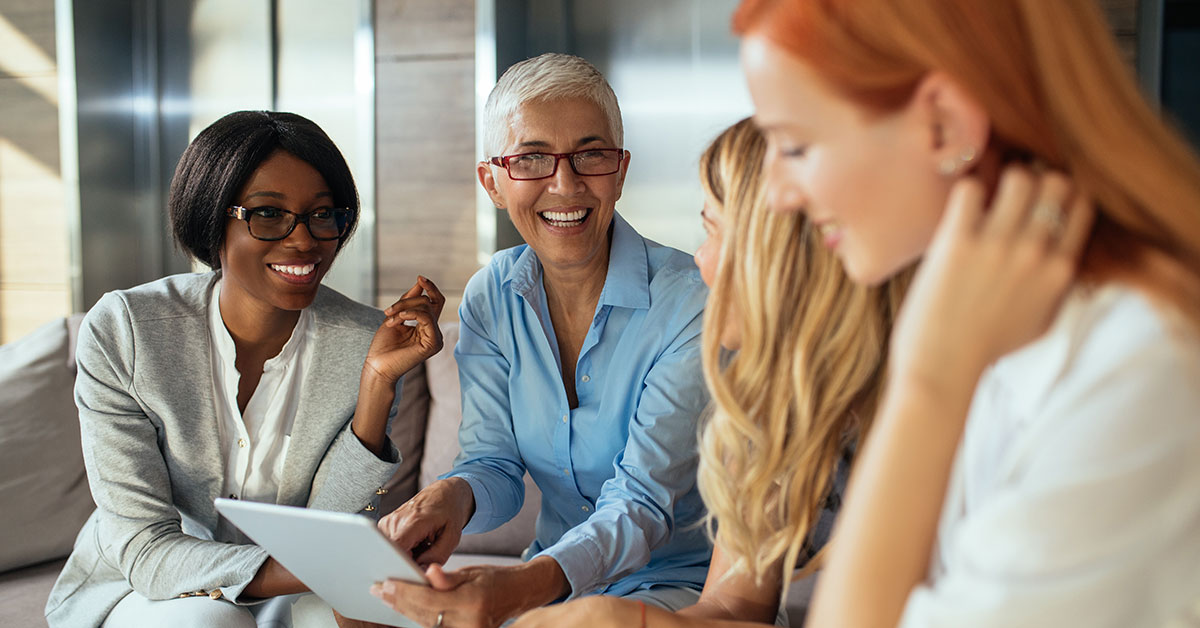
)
(579, 359)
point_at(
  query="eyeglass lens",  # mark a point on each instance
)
(585, 162)
(275, 224)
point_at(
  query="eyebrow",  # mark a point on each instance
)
(781, 127)
(541, 144)
(282, 197)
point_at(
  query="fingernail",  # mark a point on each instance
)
(377, 590)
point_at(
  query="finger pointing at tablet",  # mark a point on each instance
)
(429, 526)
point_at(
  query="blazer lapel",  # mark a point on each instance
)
(327, 400)
(178, 391)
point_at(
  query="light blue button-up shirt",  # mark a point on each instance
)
(617, 473)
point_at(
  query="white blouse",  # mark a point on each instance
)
(256, 442)
(1075, 494)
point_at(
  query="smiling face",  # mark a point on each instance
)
(564, 218)
(280, 275)
(867, 181)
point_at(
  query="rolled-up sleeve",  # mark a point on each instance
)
(488, 458)
(635, 512)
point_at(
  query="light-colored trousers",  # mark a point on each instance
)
(288, 611)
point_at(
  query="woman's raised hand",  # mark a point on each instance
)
(397, 346)
(992, 280)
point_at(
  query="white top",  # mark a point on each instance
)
(1075, 494)
(256, 442)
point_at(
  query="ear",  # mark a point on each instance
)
(488, 180)
(957, 126)
(622, 172)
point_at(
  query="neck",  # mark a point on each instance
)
(256, 328)
(576, 289)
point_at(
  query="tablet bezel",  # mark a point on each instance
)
(352, 554)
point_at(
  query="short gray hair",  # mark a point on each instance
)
(550, 76)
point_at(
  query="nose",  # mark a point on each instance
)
(564, 179)
(301, 238)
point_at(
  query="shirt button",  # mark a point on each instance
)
(241, 442)
(585, 379)
(564, 418)
(566, 472)
(585, 509)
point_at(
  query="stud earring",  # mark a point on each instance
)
(951, 166)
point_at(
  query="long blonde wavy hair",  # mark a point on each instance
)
(804, 384)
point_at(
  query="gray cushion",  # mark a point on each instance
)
(23, 594)
(42, 481)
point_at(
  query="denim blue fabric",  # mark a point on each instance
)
(618, 472)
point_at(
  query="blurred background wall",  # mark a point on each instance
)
(35, 259)
(98, 99)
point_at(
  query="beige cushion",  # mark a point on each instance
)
(441, 446)
(44, 487)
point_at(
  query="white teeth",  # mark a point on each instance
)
(565, 216)
(298, 271)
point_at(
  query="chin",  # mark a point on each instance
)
(295, 302)
(866, 272)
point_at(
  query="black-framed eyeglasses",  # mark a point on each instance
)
(590, 162)
(271, 223)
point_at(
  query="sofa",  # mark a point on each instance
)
(44, 497)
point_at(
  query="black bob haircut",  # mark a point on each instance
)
(217, 164)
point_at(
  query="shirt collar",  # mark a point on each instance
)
(626, 284)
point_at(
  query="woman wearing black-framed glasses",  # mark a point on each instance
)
(250, 381)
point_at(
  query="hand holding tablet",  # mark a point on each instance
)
(337, 555)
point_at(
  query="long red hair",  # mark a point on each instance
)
(1050, 76)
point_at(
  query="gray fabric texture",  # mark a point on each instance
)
(42, 483)
(150, 442)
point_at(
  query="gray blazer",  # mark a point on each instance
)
(150, 443)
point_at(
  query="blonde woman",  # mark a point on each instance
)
(1034, 459)
(790, 404)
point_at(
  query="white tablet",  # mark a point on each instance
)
(338, 555)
